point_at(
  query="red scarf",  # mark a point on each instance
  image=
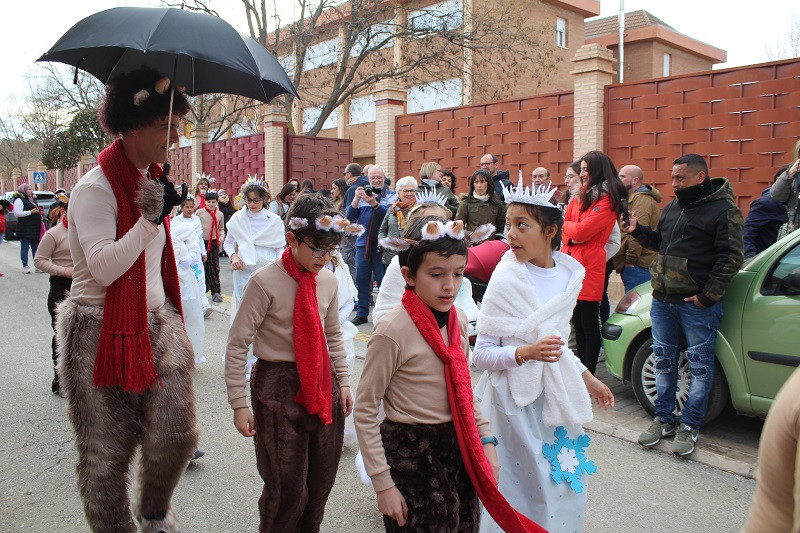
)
(310, 347)
(213, 235)
(459, 392)
(124, 351)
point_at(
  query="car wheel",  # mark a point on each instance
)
(643, 377)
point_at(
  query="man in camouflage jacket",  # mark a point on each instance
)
(700, 249)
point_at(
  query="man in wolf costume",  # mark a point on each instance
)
(125, 361)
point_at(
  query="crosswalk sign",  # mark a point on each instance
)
(40, 177)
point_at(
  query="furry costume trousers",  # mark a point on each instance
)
(59, 290)
(110, 423)
(212, 268)
(296, 455)
(426, 466)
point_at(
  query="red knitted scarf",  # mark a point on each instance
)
(124, 351)
(459, 392)
(213, 235)
(310, 347)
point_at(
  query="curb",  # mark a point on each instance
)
(709, 454)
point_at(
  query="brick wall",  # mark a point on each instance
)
(318, 159)
(743, 120)
(231, 160)
(52, 182)
(181, 164)
(524, 133)
(70, 178)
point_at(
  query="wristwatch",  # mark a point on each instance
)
(491, 439)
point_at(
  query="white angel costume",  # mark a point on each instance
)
(257, 239)
(191, 276)
(194, 222)
(536, 409)
(347, 302)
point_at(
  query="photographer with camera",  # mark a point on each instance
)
(368, 208)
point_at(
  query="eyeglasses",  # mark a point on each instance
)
(253, 200)
(319, 253)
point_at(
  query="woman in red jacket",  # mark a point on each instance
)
(587, 225)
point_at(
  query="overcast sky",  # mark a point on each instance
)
(743, 28)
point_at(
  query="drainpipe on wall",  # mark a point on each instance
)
(621, 20)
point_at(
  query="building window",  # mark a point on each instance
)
(561, 32)
(311, 115)
(362, 110)
(376, 37)
(321, 54)
(287, 62)
(667, 64)
(435, 95)
(444, 16)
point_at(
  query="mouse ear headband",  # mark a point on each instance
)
(336, 223)
(435, 230)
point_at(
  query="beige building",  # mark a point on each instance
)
(652, 48)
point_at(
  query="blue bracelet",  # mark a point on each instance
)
(489, 440)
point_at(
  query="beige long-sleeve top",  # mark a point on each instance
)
(776, 503)
(53, 255)
(205, 222)
(265, 318)
(402, 370)
(98, 256)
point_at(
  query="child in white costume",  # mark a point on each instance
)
(535, 391)
(189, 256)
(186, 216)
(255, 238)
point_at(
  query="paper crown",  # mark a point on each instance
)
(435, 230)
(203, 176)
(430, 196)
(540, 195)
(336, 223)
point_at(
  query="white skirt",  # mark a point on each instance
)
(525, 473)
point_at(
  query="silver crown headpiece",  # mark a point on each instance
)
(431, 196)
(540, 195)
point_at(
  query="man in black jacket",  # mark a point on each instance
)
(700, 248)
(500, 177)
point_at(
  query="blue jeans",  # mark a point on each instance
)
(633, 276)
(24, 244)
(699, 328)
(366, 269)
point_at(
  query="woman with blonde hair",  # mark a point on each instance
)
(396, 219)
(430, 175)
(786, 190)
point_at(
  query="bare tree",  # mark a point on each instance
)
(224, 114)
(786, 45)
(15, 150)
(335, 50)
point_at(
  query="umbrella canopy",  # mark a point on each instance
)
(483, 258)
(200, 52)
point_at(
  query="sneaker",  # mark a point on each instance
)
(207, 311)
(685, 440)
(357, 321)
(657, 429)
(216, 297)
(198, 453)
(26, 270)
(39, 271)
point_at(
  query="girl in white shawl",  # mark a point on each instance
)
(189, 254)
(255, 238)
(535, 391)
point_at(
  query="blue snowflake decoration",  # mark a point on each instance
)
(567, 459)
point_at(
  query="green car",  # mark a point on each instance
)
(758, 344)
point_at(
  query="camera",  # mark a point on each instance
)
(368, 190)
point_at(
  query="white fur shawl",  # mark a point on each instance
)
(511, 311)
(273, 236)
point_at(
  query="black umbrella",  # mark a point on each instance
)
(200, 52)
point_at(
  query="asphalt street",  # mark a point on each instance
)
(634, 490)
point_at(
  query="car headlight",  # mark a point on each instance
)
(628, 303)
